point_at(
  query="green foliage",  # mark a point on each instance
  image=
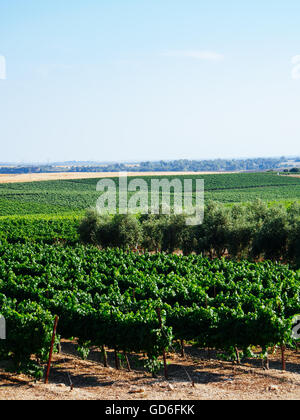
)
(83, 349)
(272, 239)
(126, 231)
(29, 330)
(41, 229)
(173, 230)
(152, 233)
(153, 365)
(111, 298)
(213, 233)
(252, 230)
(66, 196)
(88, 228)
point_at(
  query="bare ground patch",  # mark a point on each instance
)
(74, 379)
(13, 178)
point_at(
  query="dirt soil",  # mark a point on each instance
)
(12, 178)
(74, 379)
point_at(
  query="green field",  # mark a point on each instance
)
(50, 211)
(74, 196)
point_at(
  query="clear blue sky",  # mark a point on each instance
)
(123, 80)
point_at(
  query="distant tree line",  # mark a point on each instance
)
(217, 165)
(252, 230)
(292, 171)
(20, 170)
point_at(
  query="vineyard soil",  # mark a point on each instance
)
(214, 379)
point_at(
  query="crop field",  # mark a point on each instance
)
(135, 307)
(110, 299)
(40, 228)
(65, 196)
(35, 177)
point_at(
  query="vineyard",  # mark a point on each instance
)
(148, 302)
(145, 303)
(36, 228)
(60, 197)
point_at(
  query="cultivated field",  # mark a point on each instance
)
(7, 179)
(230, 319)
(56, 197)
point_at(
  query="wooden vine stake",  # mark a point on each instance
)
(164, 353)
(267, 362)
(182, 348)
(51, 349)
(104, 354)
(283, 348)
(237, 356)
(127, 361)
(117, 361)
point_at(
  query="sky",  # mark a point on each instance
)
(132, 80)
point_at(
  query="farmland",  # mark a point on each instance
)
(40, 228)
(65, 196)
(111, 299)
(50, 211)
